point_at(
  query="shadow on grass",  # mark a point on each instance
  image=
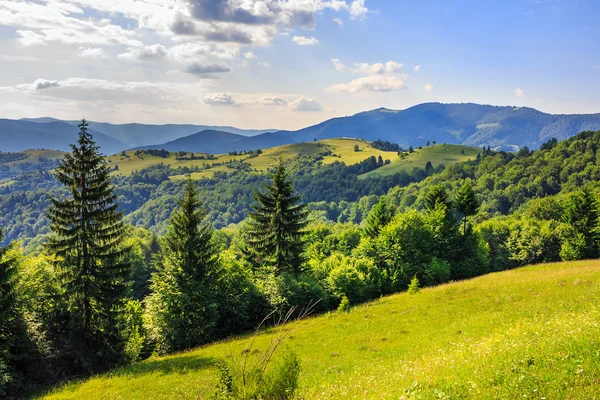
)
(177, 364)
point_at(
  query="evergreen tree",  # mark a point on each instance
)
(379, 216)
(442, 221)
(8, 277)
(181, 305)
(429, 167)
(582, 215)
(467, 203)
(87, 240)
(275, 234)
(437, 194)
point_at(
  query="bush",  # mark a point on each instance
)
(413, 286)
(438, 271)
(358, 279)
(344, 305)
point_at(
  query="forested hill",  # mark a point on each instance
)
(506, 181)
(503, 128)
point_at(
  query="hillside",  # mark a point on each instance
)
(530, 332)
(439, 154)
(505, 128)
(18, 135)
(331, 150)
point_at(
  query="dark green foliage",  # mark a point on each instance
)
(466, 202)
(182, 306)
(87, 237)
(275, 233)
(582, 215)
(8, 320)
(437, 194)
(379, 216)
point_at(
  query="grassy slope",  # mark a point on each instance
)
(342, 149)
(528, 333)
(34, 156)
(438, 154)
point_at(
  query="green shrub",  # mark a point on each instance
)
(344, 305)
(413, 287)
(438, 271)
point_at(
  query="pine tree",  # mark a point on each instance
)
(88, 233)
(437, 194)
(380, 215)
(582, 214)
(8, 277)
(189, 237)
(466, 202)
(181, 303)
(275, 234)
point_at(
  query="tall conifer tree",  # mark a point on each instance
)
(275, 234)
(8, 277)
(181, 305)
(88, 240)
(379, 216)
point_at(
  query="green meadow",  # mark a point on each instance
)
(445, 154)
(341, 150)
(532, 332)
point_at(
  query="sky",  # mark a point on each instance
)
(288, 64)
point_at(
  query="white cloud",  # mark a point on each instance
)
(264, 64)
(218, 99)
(305, 104)
(358, 9)
(305, 41)
(30, 38)
(519, 92)
(57, 21)
(416, 68)
(338, 21)
(155, 52)
(428, 88)
(249, 55)
(371, 83)
(339, 66)
(389, 67)
(273, 101)
(92, 52)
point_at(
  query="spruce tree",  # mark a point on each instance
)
(275, 236)
(379, 216)
(181, 305)
(467, 203)
(437, 194)
(582, 215)
(8, 277)
(88, 233)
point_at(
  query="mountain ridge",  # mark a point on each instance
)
(501, 127)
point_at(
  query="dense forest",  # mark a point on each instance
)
(93, 291)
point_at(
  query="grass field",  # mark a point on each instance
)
(34, 156)
(342, 150)
(532, 332)
(438, 154)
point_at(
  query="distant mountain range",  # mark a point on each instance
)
(507, 128)
(135, 135)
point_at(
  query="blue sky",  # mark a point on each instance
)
(291, 63)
